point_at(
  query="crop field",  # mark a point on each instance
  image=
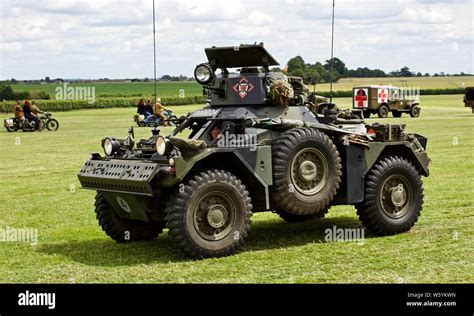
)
(145, 89)
(172, 89)
(40, 190)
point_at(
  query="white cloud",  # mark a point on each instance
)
(113, 38)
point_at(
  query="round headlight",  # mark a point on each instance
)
(163, 146)
(203, 73)
(111, 146)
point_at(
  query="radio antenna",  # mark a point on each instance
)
(154, 51)
(332, 54)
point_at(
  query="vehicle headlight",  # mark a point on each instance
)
(163, 146)
(203, 73)
(111, 146)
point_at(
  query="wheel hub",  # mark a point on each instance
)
(308, 170)
(217, 216)
(398, 195)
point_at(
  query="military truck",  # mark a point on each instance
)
(255, 146)
(382, 99)
(469, 98)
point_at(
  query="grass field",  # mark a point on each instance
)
(39, 170)
(171, 89)
(164, 89)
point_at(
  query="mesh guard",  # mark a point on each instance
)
(118, 176)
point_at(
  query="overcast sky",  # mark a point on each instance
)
(113, 38)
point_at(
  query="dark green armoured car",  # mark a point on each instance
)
(256, 146)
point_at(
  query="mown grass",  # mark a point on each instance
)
(36, 179)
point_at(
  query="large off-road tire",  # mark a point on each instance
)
(366, 114)
(52, 125)
(210, 215)
(292, 218)
(393, 197)
(415, 111)
(123, 229)
(383, 111)
(306, 171)
(396, 113)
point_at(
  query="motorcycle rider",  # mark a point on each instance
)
(18, 111)
(141, 108)
(148, 108)
(159, 111)
(29, 115)
(35, 109)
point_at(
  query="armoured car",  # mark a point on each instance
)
(255, 146)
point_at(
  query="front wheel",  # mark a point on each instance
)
(210, 215)
(415, 111)
(52, 125)
(172, 120)
(393, 197)
(383, 111)
(123, 229)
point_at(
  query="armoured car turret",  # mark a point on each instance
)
(255, 146)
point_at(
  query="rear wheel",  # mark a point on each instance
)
(11, 128)
(396, 113)
(383, 111)
(393, 197)
(210, 215)
(366, 114)
(415, 111)
(123, 229)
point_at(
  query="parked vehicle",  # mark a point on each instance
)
(381, 100)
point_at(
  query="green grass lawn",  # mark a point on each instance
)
(38, 173)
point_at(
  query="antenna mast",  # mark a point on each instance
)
(154, 51)
(332, 54)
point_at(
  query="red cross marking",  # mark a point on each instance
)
(360, 98)
(382, 95)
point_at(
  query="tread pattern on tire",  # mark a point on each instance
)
(368, 210)
(283, 148)
(177, 208)
(116, 227)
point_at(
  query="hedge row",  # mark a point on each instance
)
(100, 103)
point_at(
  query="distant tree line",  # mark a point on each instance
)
(318, 72)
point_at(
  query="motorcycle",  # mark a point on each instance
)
(46, 121)
(155, 120)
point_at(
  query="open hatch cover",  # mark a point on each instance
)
(240, 56)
